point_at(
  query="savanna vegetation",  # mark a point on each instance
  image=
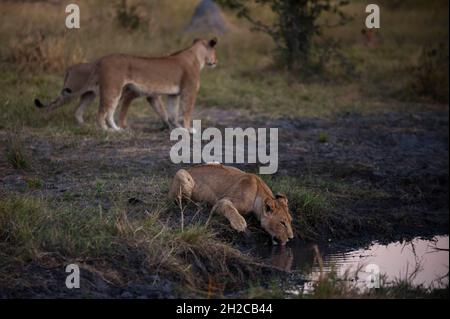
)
(363, 148)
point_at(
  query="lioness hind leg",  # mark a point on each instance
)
(101, 120)
(227, 209)
(109, 99)
(110, 116)
(173, 106)
(182, 186)
(85, 100)
(101, 115)
(127, 98)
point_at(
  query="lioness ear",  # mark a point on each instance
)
(195, 41)
(267, 208)
(281, 197)
(213, 42)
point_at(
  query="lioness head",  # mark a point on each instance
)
(208, 51)
(276, 219)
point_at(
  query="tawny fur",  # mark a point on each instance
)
(177, 76)
(81, 81)
(234, 193)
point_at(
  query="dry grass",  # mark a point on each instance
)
(194, 258)
(37, 52)
(15, 152)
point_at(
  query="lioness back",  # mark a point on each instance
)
(212, 181)
(145, 75)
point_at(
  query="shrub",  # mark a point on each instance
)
(295, 28)
(431, 77)
(127, 16)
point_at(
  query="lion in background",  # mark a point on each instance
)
(76, 84)
(120, 78)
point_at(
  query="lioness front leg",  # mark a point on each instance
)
(187, 105)
(173, 108)
(227, 209)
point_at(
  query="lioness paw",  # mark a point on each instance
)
(239, 224)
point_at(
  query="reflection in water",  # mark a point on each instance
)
(282, 258)
(421, 261)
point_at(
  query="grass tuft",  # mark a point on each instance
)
(323, 137)
(15, 152)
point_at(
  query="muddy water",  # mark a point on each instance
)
(423, 262)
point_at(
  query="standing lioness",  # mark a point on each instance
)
(177, 76)
(234, 193)
(80, 81)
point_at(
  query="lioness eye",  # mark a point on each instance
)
(284, 224)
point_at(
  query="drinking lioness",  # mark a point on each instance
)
(234, 193)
